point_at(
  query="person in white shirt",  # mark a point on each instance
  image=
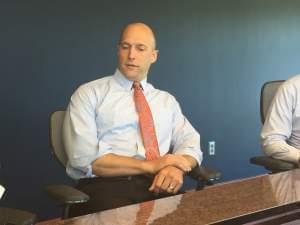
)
(280, 135)
(102, 138)
(2, 190)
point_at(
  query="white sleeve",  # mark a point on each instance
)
(278, 125)
(281, 150)
(80, 131)
(185, 139)
(2, 190)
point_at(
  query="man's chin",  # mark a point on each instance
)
(132, 75)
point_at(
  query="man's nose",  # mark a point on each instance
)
(132, 53)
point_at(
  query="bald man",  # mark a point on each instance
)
(103, 140)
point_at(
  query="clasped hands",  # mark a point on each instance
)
(169, 171)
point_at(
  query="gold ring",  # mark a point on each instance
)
(171, 187)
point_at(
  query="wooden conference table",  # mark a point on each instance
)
(265, 200)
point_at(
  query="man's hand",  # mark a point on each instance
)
(168, 179)
(177, 161)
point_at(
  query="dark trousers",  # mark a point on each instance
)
(113, 192)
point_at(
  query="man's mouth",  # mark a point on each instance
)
(131, 65)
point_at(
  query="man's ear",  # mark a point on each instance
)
(154, 55)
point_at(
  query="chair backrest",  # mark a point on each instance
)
(56, 143)
(267, 94)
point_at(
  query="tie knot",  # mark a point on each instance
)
(137, 85)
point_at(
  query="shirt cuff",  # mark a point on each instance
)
(196, 154)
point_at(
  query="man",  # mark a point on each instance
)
(281, 131)
(103, 139)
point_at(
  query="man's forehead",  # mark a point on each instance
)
(128, 42)
(138, 42)
(138, 34)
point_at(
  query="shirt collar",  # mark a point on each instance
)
(125, 83)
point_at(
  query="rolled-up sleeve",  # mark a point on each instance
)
(185, 139)
(80, 133)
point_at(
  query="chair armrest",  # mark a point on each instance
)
(205, 174)
(16, 216)
(274, 165)
(66, 194)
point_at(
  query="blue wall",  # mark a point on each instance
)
(214, 56)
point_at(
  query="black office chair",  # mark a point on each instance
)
(11, 216)
(68, 195)
(267, 94)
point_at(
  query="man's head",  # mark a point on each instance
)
(136, 51)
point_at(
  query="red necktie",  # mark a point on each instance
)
(150, 143)
(146, 123)
(144, 213)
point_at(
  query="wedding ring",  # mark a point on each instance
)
(171, 187)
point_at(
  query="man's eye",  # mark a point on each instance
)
(141, 48)
(125, 46)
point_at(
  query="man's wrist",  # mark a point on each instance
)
(148, 167)
(191, 160)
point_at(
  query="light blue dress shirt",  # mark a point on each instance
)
(280, 135)
(101, 119)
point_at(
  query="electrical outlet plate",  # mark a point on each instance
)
(212, 147)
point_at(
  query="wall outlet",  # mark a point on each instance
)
(211, 147)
